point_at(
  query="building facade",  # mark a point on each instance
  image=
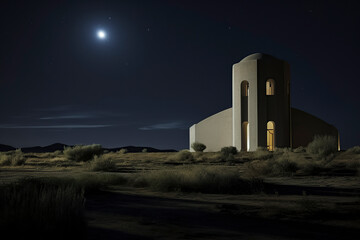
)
(261, 113)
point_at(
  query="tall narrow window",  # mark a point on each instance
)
(270, 87)
(244, 88)
(270, 134)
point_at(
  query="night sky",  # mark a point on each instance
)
(165, 65)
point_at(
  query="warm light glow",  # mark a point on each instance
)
(270, 134)
(245, 137)
(101, 34)
(270, 87)
(245, 88)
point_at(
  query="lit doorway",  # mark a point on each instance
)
(270, 135)
(245, 136)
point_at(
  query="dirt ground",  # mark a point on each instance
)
(295, 207)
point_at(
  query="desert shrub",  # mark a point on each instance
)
(229, 150)
(300, 149)
(198, 147)
(323, 146)
(313, 168)
(83, 153)
(354, 150)
(279, 166)
(198, 179)
(183, 155)
(12, 158)
(262, 153)
(102, 163)
(45, 207)
(144, 150)
(122, 151)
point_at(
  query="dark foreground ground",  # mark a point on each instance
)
(122, 214)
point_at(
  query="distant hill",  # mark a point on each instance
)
(139, 149)
(5, 148)
(60, 146)
(51, 148)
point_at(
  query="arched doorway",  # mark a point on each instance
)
(270, 135)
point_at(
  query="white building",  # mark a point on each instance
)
(261, 115)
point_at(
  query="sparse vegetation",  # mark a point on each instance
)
(102, 163)
(83, 153)
(198, 147)
(227, 153)
(199, 179)
(281, 166)
(181, 156)
(354, 150)
(42, 206)
(323, 146)
(12, 158)
(122, 151)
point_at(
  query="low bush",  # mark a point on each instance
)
(102, 163)
(198, 147)
(323, 146)
(354, 150)
(262, 153)
(229, 150)
(12, 158)
(281, 165)
(181, 156)
(199, 179)
(83, 153)
(122, 151)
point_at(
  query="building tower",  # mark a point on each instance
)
(261, 103)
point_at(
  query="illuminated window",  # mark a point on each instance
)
(244, 88)
(270, 87)
(270, 134)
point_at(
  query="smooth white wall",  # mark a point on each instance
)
(215, 131)
(245, 70)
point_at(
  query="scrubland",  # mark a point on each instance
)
(307, 193)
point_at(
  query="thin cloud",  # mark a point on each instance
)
(67, 117)
(57, 126)
(164, 126)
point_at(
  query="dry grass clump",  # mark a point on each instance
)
(12, 158)
(42, 207)
(122, 151)
(102, 163)
(182, 156)
(323, 146)
(199, 179)
(262, 153)
(282, 165)
(353, 150)
(82, 153)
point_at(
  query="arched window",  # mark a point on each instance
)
(270, 87)
(244, 88)
(270, 135)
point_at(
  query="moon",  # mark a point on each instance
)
(101, 34)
